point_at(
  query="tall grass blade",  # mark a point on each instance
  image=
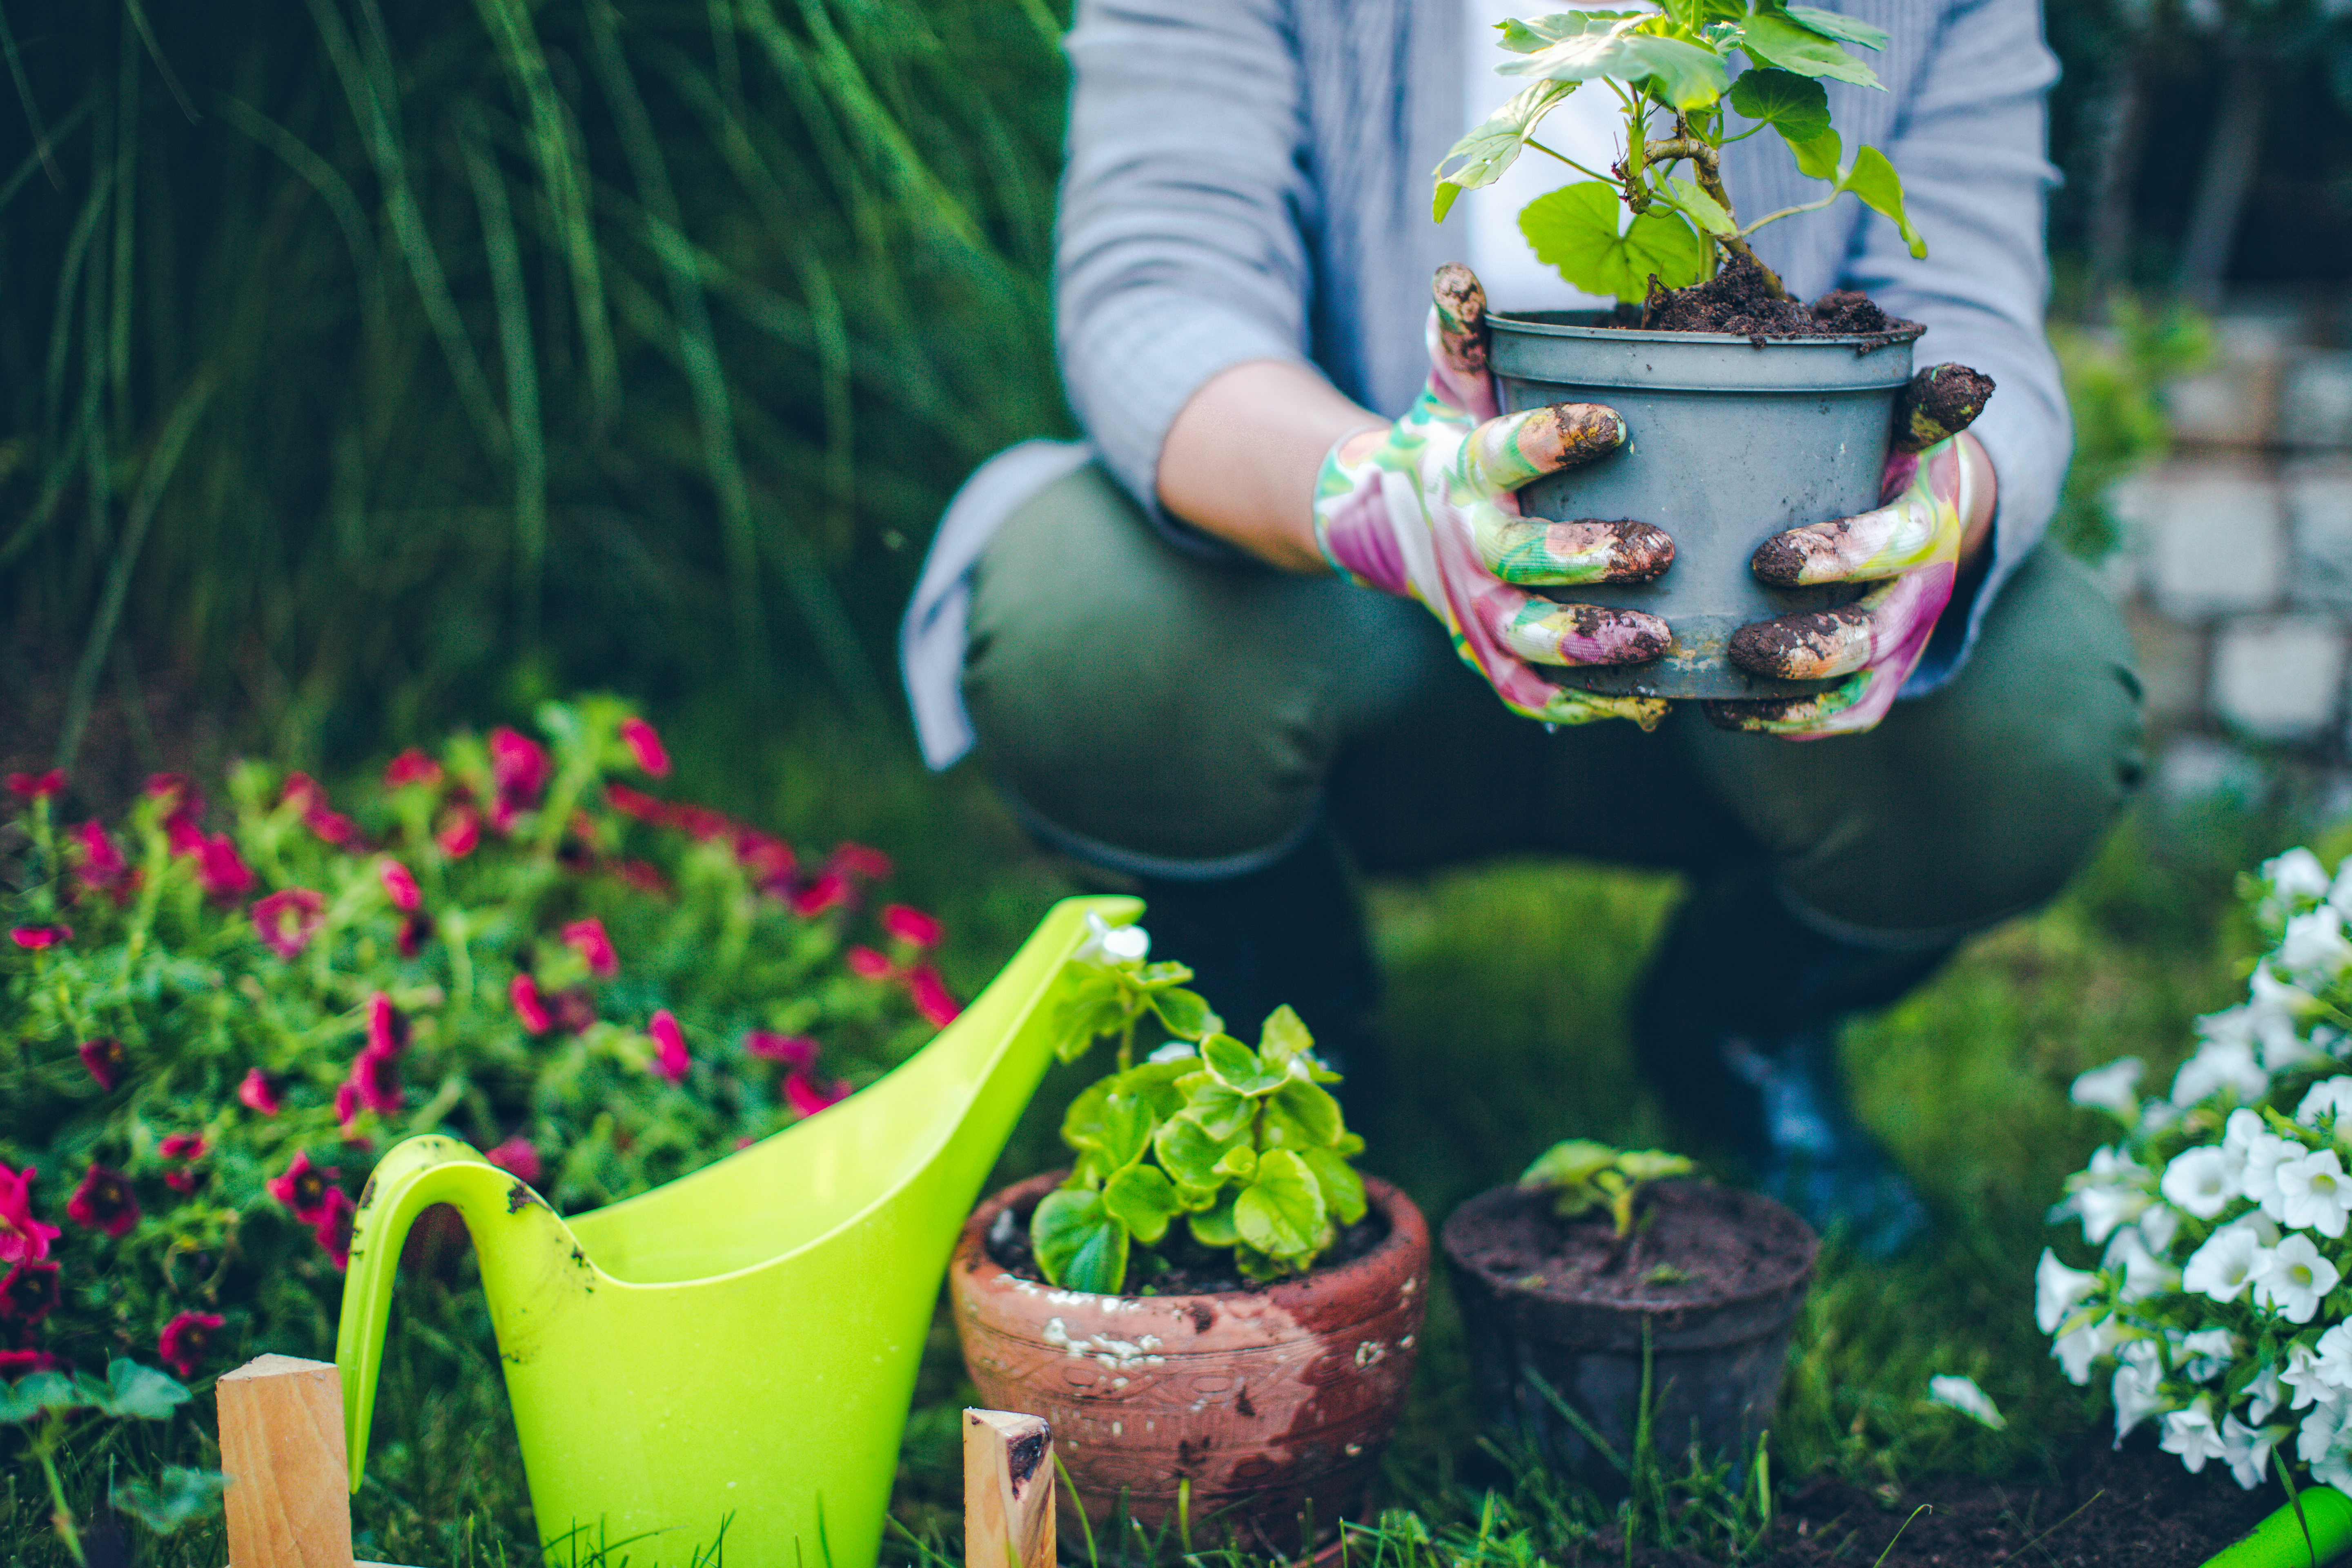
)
(504, 255)
(41, 148)
(333, 189)
(162, 66)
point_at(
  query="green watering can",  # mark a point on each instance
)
(737, 1348)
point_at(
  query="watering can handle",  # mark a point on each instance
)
(512, 1227)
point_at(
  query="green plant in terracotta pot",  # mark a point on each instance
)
(1214, 1309)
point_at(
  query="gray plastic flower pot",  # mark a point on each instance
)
(1729, 442)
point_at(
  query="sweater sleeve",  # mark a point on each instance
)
(1971, 147)
(1184, 202)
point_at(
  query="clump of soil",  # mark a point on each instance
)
(1738, 301)
(1187, 1269)
(1692, 1241)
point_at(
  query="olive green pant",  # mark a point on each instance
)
(1161, 715)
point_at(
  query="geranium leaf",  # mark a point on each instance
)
(1873, 179)
(1818, 158)
(1686, 76)
(1698, 206)
(1526, 37)
(136, 1390)
(1770, 38)
(1143, 1199)
(1830, 23)
(1188, 1153)
(172, 1499)
(1302, 1116)
(1495, 146)
(1797, 107)
(1574, 229)
(1568, 1162)
(1187, 1016)
(1237, 1067)
(1342, 1185)
(1079, 1245)
(1214, 1226)
(1281, 1211)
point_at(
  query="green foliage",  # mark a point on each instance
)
(1582, 1175)
(2115, 381)
(1675, 63)
(43, 1403)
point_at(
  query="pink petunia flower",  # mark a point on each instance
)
(375, 1077)
(768, 860)
(645, 877)
(504, 814)
(347, 1109)
(645, 746)
(637, 804)
(411, 767)
(819, 895)
(286, 920)
(519, 765)
(670, 1058)
(587, 939)
(460, 830)
(867, 964)
(29, 1293)
(932, 997)
(184, 1180)
(399, 886)
(518, 1155)
(333, 1231)
(34, 939)
(258, 1091)
(182, 1146)
(41, 786)
(415, 931)
(304, 1188)
(523, 992)
(860, 860)
(572, 1010)
(794, 1050)
(303, 792)
(100, 867)
(15, 1364)
(807, 1097)
(911, 925)
(106, 1060)
(702, 822)
(220, 871)
(23, 1238)
(176, 795)
(186, 1339)
(387, 1026)
(104, 1202)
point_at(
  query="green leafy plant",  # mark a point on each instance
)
(43, 1406)
(1583, 1176)
(1207, 1147)
(1671, 71)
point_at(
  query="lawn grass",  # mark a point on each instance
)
(1503, 1026)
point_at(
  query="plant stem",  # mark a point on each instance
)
(1705, 165)
(1789, 212)
(44, 1447)
(1568, 161)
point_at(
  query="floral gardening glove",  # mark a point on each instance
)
(1423, 509)
(1910, 546)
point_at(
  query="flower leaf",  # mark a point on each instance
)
(1698, 206)
(1527, 37)
(1494, 145)
(1187, 1016)
(1342, 1184)
(1797, 107)
(1830, 23)
(1238, 1067)
(1079, 1245)
(1238, 1162)
(1819, 158)
(1574, 229)
(1686, 76)
(1214, 1226)
(1143, 1199)
(1222, 1114)
(1873, 179)
(172, 1499)
(1188, 1154)
(1284, 1039)
(1281, 1212)
(1302, 1116)
(1566, 1163)
(136, 1390)
(1771, 38)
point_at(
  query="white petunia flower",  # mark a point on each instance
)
(2224, 1265)
(2205, 1353)
(2076, 1350)
(2219, 1065)
(2328, 1096)
(2157, 1224)
(2314, 950)
(2339, 892)
(2303, 1375)
(2113, 1191)
(2322, 1431)
(2199, 1182)
(1961, 1394)
(2058, 1290)
(2313, 1194)
(2139, 1390)
(2192, 1435)
(2274, 1012)
(2113, 1088)
(2264, 1395)
(1107, 944)
(2247, 1449)
(2331, 1360)
(2143, 1273)
(2291, 1278)
(2295, 876)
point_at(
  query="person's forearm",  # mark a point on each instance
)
(1240, 460)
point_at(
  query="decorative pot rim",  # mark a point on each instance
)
(1538, 324)
(1408, 1240)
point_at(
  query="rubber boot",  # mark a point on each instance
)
(1736, 1027)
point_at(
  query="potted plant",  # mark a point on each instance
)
(1731, 443)
(1214, 1310)
(1607, 1291)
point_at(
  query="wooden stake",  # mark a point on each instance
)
(1008, 1490)
(281, 1439)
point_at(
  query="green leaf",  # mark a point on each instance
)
(1214, 1227)
(1156, 1085)
(1281, 1212)
(1237, 1163)
(1082, 1124)
(172, 1499)
(1873, 179)
(1819, 158)
(1185, 1013)
(1283, 1040)
(1302, 1116)
(1128, 1125)
(1698, 206)
(1797, 107)
(1686, 76)
(1830, 23)
(1651, 1164)
(1527, 37)
(1342, 1185)
(1566, 1163)
(51, 1391)
(1188, 1153)
(1079, 1245)
(1143, 1199)
(1770, 38)
(1574, 229)
(1494, 145)
(143, 1391)
(1237, 1067)
(1222, 1114)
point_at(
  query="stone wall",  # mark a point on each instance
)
(2236, 559)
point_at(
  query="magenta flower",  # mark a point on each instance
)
(911, 925)
(182, 1146)
(106, 1060)
(259, 1092)
(858, 860)
(932, 997)
(304, 1188)
(104, 1202)
(375, 1077)
(220, 872)
(23, 1238)
(29, 1293)
(347, 1109)
(807, 1097)
(637, 804)
(15, 1364)
(184, 1180)
(767, 860)
(523, 992)
(572, 1010)
(411, 767)
(645, 877)
(333, 1231)
(587, 939)
(796, 1051)
(518, 764)
(101, 868)
(415, 931)
(670, 1059)
(186, 1339)
(645, 746)
(387, 1028)
(460, 830)
(518, 1155)
(41, 786)
(399, 886)
(702, 822)
(36, 938)
(286, 920)
(176, 795)
(867, 964)
(819, 895)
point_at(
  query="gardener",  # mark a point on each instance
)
(1169, 681)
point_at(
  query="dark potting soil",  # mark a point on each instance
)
(1185, 1270)
(1737, 301)
(1691, 1242)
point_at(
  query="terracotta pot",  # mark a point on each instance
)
(1716, 1356)
(1272, 1404)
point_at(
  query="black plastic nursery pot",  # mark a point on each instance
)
(1558, 1312)
(1729, 440)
